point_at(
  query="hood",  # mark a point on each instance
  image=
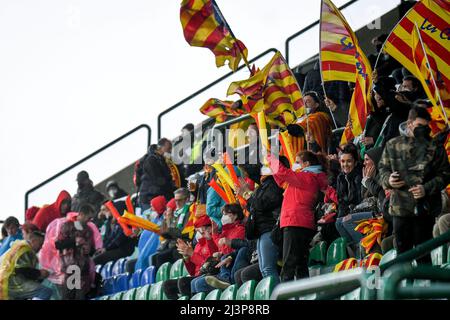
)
(63, 195)
(375, 154)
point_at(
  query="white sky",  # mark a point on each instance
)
(77, 74)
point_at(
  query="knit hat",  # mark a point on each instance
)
(202, 221)
(375, 154)
(171, 204)
(159, 204)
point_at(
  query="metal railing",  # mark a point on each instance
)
(93, 154)
(312, 25)
(190, 97)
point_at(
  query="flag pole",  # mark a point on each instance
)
(320, 64)
(432, 76)
(232, 34)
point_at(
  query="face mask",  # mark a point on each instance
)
(296, 166)
(112, 193)
(308, 110)
(198, 236)
(77, 225)
(167, 155)
(422, 132)
(153, 215)
(226, 219)
(266, 171)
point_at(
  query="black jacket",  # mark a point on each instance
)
(349, 191)
(87, 195)
(156, 178)
(265, 205)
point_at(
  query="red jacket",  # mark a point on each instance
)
(49, 213)
(202, 251)
(235, 230)
(300, 196)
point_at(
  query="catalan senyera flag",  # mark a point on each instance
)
(342, 59)
(273, 90)
(203, 27)
(221, 110)
(189, 228)
(432, 18)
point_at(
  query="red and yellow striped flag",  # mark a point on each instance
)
(203, 27)
(432, 17)
(273, 89)
(342, 59)
(222, 110)
(189, 227)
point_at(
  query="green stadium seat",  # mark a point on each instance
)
(448, 255)
(104, 297)
(199, 296)
(178, 270)
(388, 256)
(318, 254)
(117, 296)
(264, 289)
(229, 293)
(163, 272)
(183, 298)
(143, 293)
(352, 295)
(337, 252)
(130, 294)
(214, 295)
(446, 266)
(246, 291)
(156, 292)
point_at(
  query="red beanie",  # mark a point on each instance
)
(202, 221)
(159, 204)
(171, 204)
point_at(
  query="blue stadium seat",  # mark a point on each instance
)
(107, 270)
(98, 268)
(119, 267)
(108, 286)
(148, 276)
(121, 282)
(135, 280)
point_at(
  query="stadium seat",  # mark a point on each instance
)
(183, 298)
(135, 279)
(352, 295)
(246, 291)
(176, 271)
(214, 295)
(318, 254)
(117, 296)
(108, 286)
(121, 282)
(119, 267)
(98, 268)
(143, 293)
(439, 255)
(446, 266)
(148, 276)
(156, 292)
(107, 270)
(388, 256)
(264, 289)
(163, 272)
(229, 293)
(105, 297)
(199, 296)
(130, 294)
(337, 252)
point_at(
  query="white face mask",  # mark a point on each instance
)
(226, 219)
(153, 215)
(198, 236)
(308, 110)
(266, 171)
(77, 225)
(112, 193)
(296, 166)
(167, 155)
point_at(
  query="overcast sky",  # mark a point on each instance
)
(77, 74)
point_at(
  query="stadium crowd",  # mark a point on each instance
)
(394, 174)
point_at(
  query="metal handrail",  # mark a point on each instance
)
(176, 105)
(295, 35)
(142, 126)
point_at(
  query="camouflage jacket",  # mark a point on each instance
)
(418, 162)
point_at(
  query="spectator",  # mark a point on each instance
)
(86, 194)
(114, 191)
(30, 213)
(19, 272)
(75, 243)
(232, 228)
(297, 220)
(442, 225)
(27, 229)
(176, 171)
(54, 211)
(194, 259)
(116, 244)
(49, 258)
(414, 193)
(155, 177)
(263, 205)
(12, 228)
(412, 84)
